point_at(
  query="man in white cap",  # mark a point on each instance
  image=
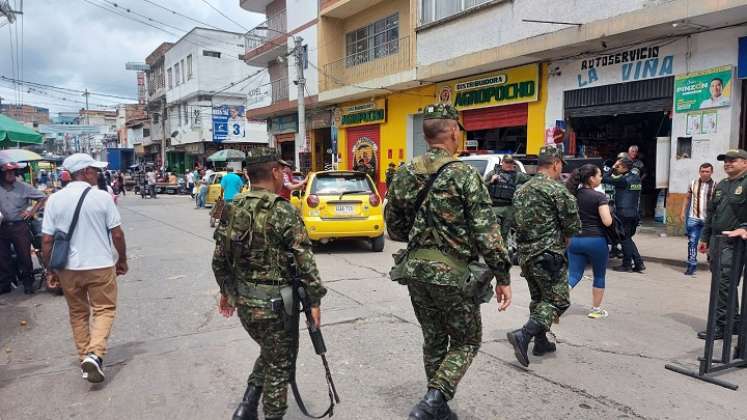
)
(89, 278)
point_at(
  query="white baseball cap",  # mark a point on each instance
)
(78, 161)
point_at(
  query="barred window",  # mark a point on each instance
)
(376, 40)
(434, 10)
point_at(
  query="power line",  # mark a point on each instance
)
(225, 16)
(182, 15)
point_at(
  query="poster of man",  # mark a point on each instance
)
(717, 98)
(236, 123)
(364, 155)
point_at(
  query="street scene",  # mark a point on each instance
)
(366, 209)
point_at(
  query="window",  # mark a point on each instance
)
(434, 10)
(178, 74)
(305, 57)
(207, 53)
(376, 40)
(184, 79)
(189, 67)
(170, 77)
(186, 115)
(155, 118)
(146, 132)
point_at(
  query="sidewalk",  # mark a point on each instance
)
(657, 244)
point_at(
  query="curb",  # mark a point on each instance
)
(674, 263)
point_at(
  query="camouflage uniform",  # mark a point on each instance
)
(504, 210)
(250, 266)
(456, 220)
(546, 215)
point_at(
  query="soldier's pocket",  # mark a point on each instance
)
(398, 272)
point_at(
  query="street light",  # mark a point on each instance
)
(301, 86)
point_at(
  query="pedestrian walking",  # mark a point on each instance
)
(590, 245)
(288, 185)
(121, 183)
(627, 201)
(65, 178)
(250, 276)
(202, 194)
(15, 199)
(546, 219)
(726, 212)
(150, 179)
(694, 211)
(231, 185)
(89, 279)
(442, 207)
(502, 183)
(190, 180)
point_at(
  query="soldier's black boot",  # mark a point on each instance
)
(542, 345)
(432, 407)
(248, 407)
(520, 340)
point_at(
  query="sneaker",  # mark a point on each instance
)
(597, 313)
(623, 269)
(690, 270)
(92, 370)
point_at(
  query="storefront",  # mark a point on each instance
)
(495, 107)
(361, 123)
(672, 100)
(319, 129)
(283, 130)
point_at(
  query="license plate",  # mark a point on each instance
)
(344, 208)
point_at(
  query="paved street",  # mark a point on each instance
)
(172, 356)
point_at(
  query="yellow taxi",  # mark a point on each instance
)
(341, 204)
(214, 188)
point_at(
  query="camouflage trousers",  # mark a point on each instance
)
(272, 369)
(452, 331)
(548, 291)
(505, 216)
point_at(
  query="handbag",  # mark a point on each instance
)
(61, 244)
(615, 232)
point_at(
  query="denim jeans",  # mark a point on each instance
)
(201, 196)
(693, 228)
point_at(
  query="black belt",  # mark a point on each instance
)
(268, 282)
(12, 222)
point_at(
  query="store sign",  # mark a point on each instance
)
(704, 89)
(284, 124)
(261, 96)
(195, 148)
(505, 87)
(229, 122)
(365, 113)
(636, 63)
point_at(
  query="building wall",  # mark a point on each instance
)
(497, 25)
(311, 74)
(300, 12)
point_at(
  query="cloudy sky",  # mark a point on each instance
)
(75, 44)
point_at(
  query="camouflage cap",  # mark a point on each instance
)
(548, 154)
(508, 158)
(623, 155)
(733, 154)
(260, 155)
(441, 112)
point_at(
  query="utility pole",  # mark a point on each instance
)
(163, 137)
(86, 94)
(301, 84)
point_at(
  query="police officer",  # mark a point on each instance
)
(727, 211)
(15, 197)
(546, 218)
(627, 200)
(250, 266)
(502, 183)
(453, 226)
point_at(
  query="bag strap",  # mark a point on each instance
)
(77, 213)
(423, 193)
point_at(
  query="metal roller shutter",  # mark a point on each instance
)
(496, 117)
(623, 98)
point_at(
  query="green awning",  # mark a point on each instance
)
(11, 132)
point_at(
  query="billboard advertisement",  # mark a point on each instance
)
(705, 89)
(229, 123)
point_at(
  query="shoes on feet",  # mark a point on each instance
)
(639, 268)
(92, 368)
(623, 269)
(597, 313)
(690, 270)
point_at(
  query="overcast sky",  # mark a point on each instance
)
(74, 44)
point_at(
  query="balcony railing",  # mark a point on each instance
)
(384, 59)
(279, 90)
(276, 27)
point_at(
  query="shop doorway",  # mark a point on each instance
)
(286, 143)
(500, 129)
(322, 149)
(605, 136)
(500, 140)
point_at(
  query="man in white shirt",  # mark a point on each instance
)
(89, 279)
(716, 89)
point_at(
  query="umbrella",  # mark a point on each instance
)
(18, 155)
(11, 131)
(227, 154)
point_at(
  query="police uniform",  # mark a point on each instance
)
(627, 202)
(546, 217)
(454, 226)
(726, 211)
(502, 193)
(250, 265)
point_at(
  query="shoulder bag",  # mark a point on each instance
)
(61, 245)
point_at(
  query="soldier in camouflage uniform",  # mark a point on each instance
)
(502, 182)
(250, 265)
(453, 226)
(546, 218)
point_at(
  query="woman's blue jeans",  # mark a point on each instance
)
(584, 250)
(694, 228)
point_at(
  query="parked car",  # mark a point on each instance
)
(341, 204)
(486, 163)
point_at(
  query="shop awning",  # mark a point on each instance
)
(11, 132)
(495, 117)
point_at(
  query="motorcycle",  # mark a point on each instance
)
(39, 273)
(147, 191)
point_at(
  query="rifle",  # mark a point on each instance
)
(301, 302)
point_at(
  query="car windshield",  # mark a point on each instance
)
(335, 184)
(479, 165)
